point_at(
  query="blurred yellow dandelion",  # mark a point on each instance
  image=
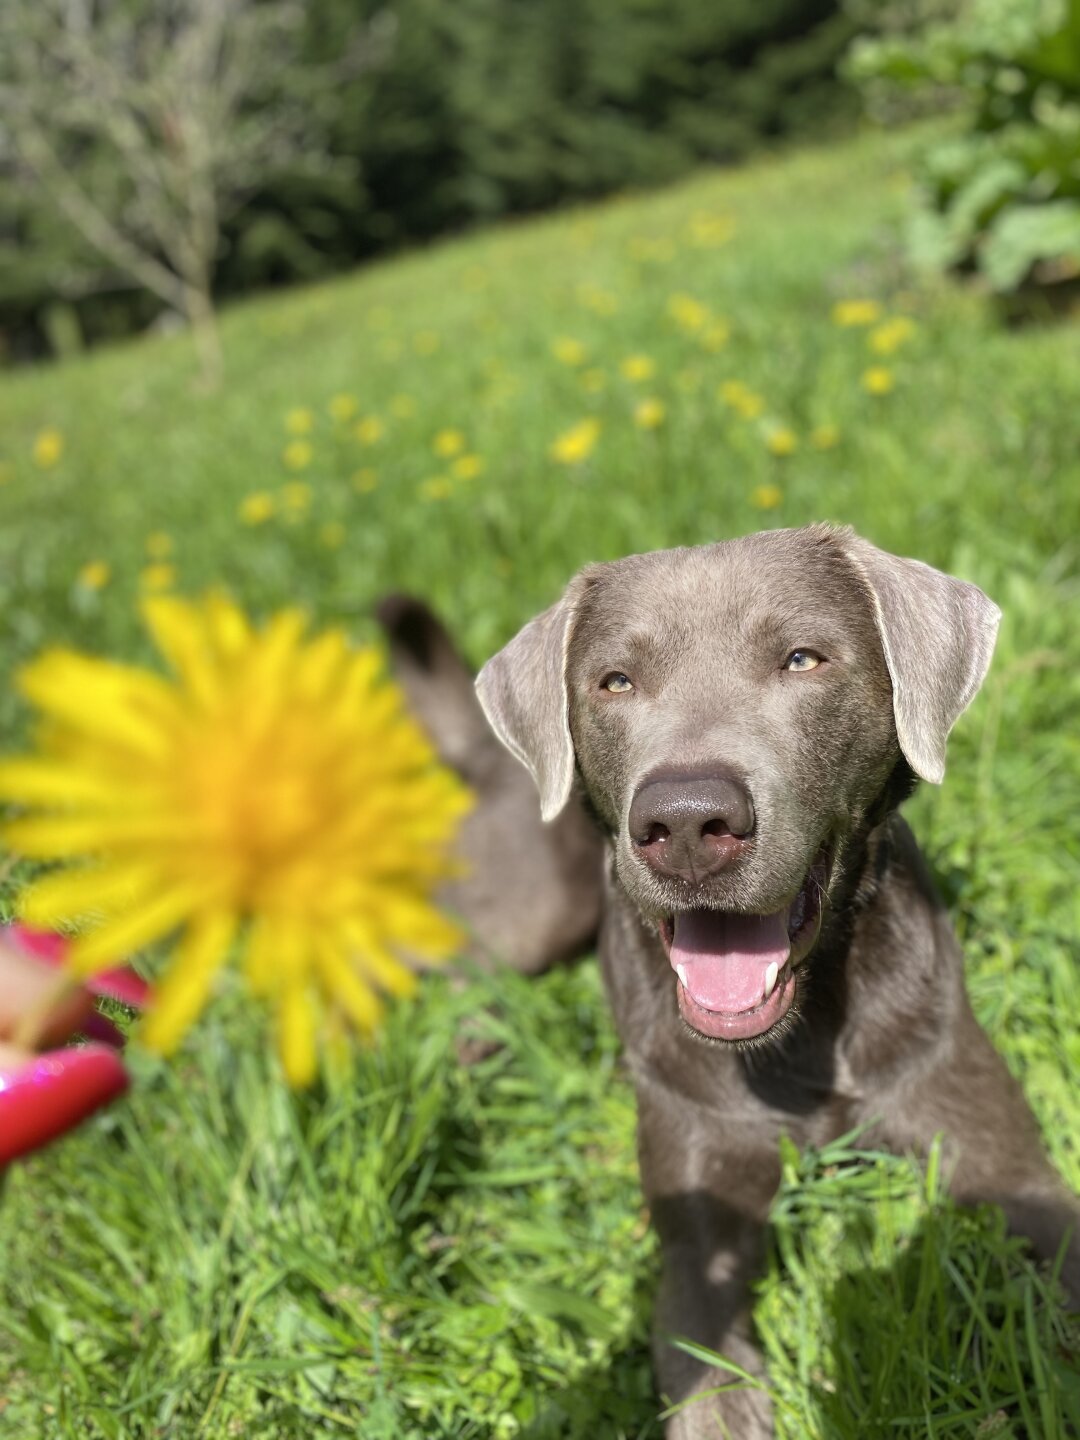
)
(159, 545)
(467, 467)
(766, 497)
(688, 313)
(342, 408)
(649, 414)
(299, 421)
(887, 337)
(637, 368)
(576, 444)
(709, 230)
(568, 351)
(439, 487)
(296, 496)
(402, 407)
(426, 342)
(781, 440)
(448, 443)
(7, 471)
(271, 791)
(825, 437)
(365, 480)
(370, 430)
(593, 381)
(257, 507)
(298, 454)
(878, 380)
(48, 448)
(95, 575)
(849, 313)
(744, 401)
(715, 336)
(157, 577)
(600, 302)
(332, 534)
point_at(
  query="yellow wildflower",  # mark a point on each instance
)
(825, 437)
(849, 313)
(887, 337)
(600, 302)
(257, 507)
(296, 495)
(157, 577)
(402, 407)
(95, 575)
(638, 367)
(48, 448)
(715, 336)
(159, 546)
(467, 467)
(365, 480)
(649, 414)
(7, 470)
(593, 381)
(568, 351)
(878, 380)
(298, 454)
(342, 408)
(709, 230)
(332, 534)
(300, 421)
(766, 497)
(272, 790)
(576, 444)
(369, 430)
(426, 342)
(687, 312)
(744, 401)
(781, 440)
(439, 487)
(448, 443)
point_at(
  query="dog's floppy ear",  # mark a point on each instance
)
(523, 693)
(938, 635)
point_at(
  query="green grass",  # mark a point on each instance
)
(424, 1249)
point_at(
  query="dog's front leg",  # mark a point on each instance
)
(709, 1202)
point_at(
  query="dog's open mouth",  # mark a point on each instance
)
(736, 973)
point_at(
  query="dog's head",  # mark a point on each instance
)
(735, 711)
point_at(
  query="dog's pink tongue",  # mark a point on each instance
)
(721, 958)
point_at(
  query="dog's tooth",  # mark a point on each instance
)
(770, 978)
(680, 970)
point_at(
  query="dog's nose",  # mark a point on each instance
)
(691, 826)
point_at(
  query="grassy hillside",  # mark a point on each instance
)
(438, 1251)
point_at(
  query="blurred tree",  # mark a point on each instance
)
(149, 126)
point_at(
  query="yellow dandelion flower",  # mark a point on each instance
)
(439, 487)
(715, 336)
(402, 407)
(649, 414)
(369, 430)
(95, 575)
(7, 471)
(849, 313)
(576, 444)
(257, 507)
(887, 337)
(298, 454)
(744, 401)
(781, 440)
(342, 408)
(448, 443)
(766, 497)
(159, 546)
(568, 351)
(157, 577)
(271, 791)
(688, 313)
(710, 230)
(48, 448)
(365, 480)
(299, 421)
(296, 496)
(825, 437)
(593, 381)
(426, 342)
(638, 367)
(878, 380)
(600, 302)
(467, 467)
(332, 534)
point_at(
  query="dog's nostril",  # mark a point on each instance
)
(716, 827)
(655, 834)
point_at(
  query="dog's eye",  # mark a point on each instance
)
(617, 683)
(800, 660)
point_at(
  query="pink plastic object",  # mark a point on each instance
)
(49, 1094)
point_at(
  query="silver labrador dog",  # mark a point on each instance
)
(745, 718)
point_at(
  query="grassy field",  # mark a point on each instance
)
(439, 1251)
